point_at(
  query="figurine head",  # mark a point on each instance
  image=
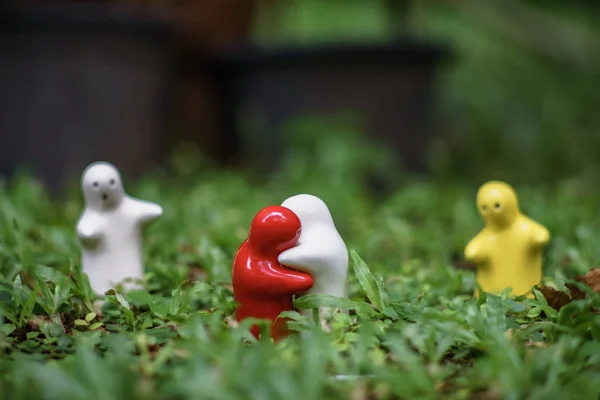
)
(310, 209)
(274, 229)
(497, 204)
(102, 186)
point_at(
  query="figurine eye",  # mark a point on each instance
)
(484, 207)
(497, 206)
(95, 185)
(112, 182)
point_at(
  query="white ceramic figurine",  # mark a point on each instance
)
(320, 251)
(110, 228)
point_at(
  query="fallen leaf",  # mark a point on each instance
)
(555, 298)
(592, 279)
(558, 299)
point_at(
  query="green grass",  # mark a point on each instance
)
(415, 331)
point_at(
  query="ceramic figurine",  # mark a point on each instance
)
(508, 251)
(321, 251)
(262, 287)
(110, 228)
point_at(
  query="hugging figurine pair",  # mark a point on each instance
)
(291, 250)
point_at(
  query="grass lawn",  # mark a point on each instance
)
(415, 331)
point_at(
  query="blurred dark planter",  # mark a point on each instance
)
(80, 83)
(390, 84)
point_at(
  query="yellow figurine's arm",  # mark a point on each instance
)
(476, 250)
(540, 236)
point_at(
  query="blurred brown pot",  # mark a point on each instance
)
(97, 81)
(203, 27)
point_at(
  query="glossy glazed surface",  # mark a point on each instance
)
(508, 251)
(263, 287)
(110, 228)
(321, 251)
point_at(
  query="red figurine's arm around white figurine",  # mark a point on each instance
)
(282, 281)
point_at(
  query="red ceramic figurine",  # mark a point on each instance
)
(262, 287)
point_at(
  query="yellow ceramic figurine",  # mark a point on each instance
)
(508, 251)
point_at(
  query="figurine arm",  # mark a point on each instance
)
(147, 211)
(298, 257)
(475, 251)
(540, 236)
(89, 228)
(281, 281)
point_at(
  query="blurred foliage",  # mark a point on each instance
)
(414, 329)
(518, 101)
(512, 111)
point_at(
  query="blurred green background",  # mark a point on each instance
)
(519, 100)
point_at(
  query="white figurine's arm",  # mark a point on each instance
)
(298, 257)
(147, 211)
(89, 228)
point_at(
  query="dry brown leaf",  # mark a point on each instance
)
(592, 279)
(558, 299)
(555, 298)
